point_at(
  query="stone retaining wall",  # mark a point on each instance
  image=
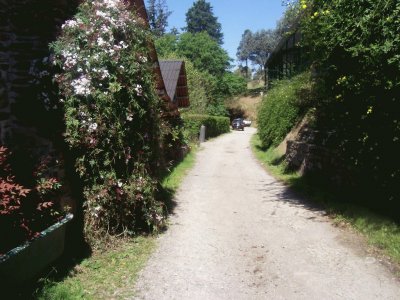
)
(306, 155)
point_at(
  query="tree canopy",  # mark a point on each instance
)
(166, 44)
(290, 19)
(244, 50)
(204, 52)
(200, 17)
(158, 14)
(263, 43)
(257, 47)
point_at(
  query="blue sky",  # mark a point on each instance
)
(235, 17)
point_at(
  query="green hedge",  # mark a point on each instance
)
(355, 49)
(282, 108)
(215, 126)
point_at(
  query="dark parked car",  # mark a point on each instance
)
(238, 124)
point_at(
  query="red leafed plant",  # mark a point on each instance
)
(24, 212)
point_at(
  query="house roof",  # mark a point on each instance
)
(171, 108)
(170, 70)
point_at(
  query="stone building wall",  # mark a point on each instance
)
(26, 29)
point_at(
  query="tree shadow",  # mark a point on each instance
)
(291, 196)
(317, 192)
(166, 196)
(236, 112)
(261, 148)
(76, 250)
(277, 161)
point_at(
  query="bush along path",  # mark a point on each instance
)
(111, 274)
(237, 233)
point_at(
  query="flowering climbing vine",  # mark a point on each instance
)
(112, 114)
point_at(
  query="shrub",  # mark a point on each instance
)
(230, 85)
(199, 85)
(282, 107)
(205, 53)
(355, 47)
(112, 115)
(217, 108)
(215, 126)
(25, 212)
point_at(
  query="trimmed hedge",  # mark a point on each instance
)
(215, 126)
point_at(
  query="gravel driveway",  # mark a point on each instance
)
(237, 233)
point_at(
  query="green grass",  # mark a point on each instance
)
(271, 160)
(380, 232)
(106, 275)
(178, 173)
(112, 274)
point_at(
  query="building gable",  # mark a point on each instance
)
(174, 76)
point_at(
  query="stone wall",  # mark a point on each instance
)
(26, 29)
(305, 157)
(308, 155)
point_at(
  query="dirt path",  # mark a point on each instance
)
(239, 234)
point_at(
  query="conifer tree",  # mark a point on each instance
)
(200, 17)
(158, 14)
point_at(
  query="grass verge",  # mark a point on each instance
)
(174, 179)
(107, 275)
(112, 274)
(381, 232)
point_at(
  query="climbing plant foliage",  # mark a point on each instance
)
(112, 114)
(355, 47)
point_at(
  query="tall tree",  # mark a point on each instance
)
(200, 17)
(264, 42)
(158, 14)
(290, 19)
(166, 44)
(244, 50)
(204, 53)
